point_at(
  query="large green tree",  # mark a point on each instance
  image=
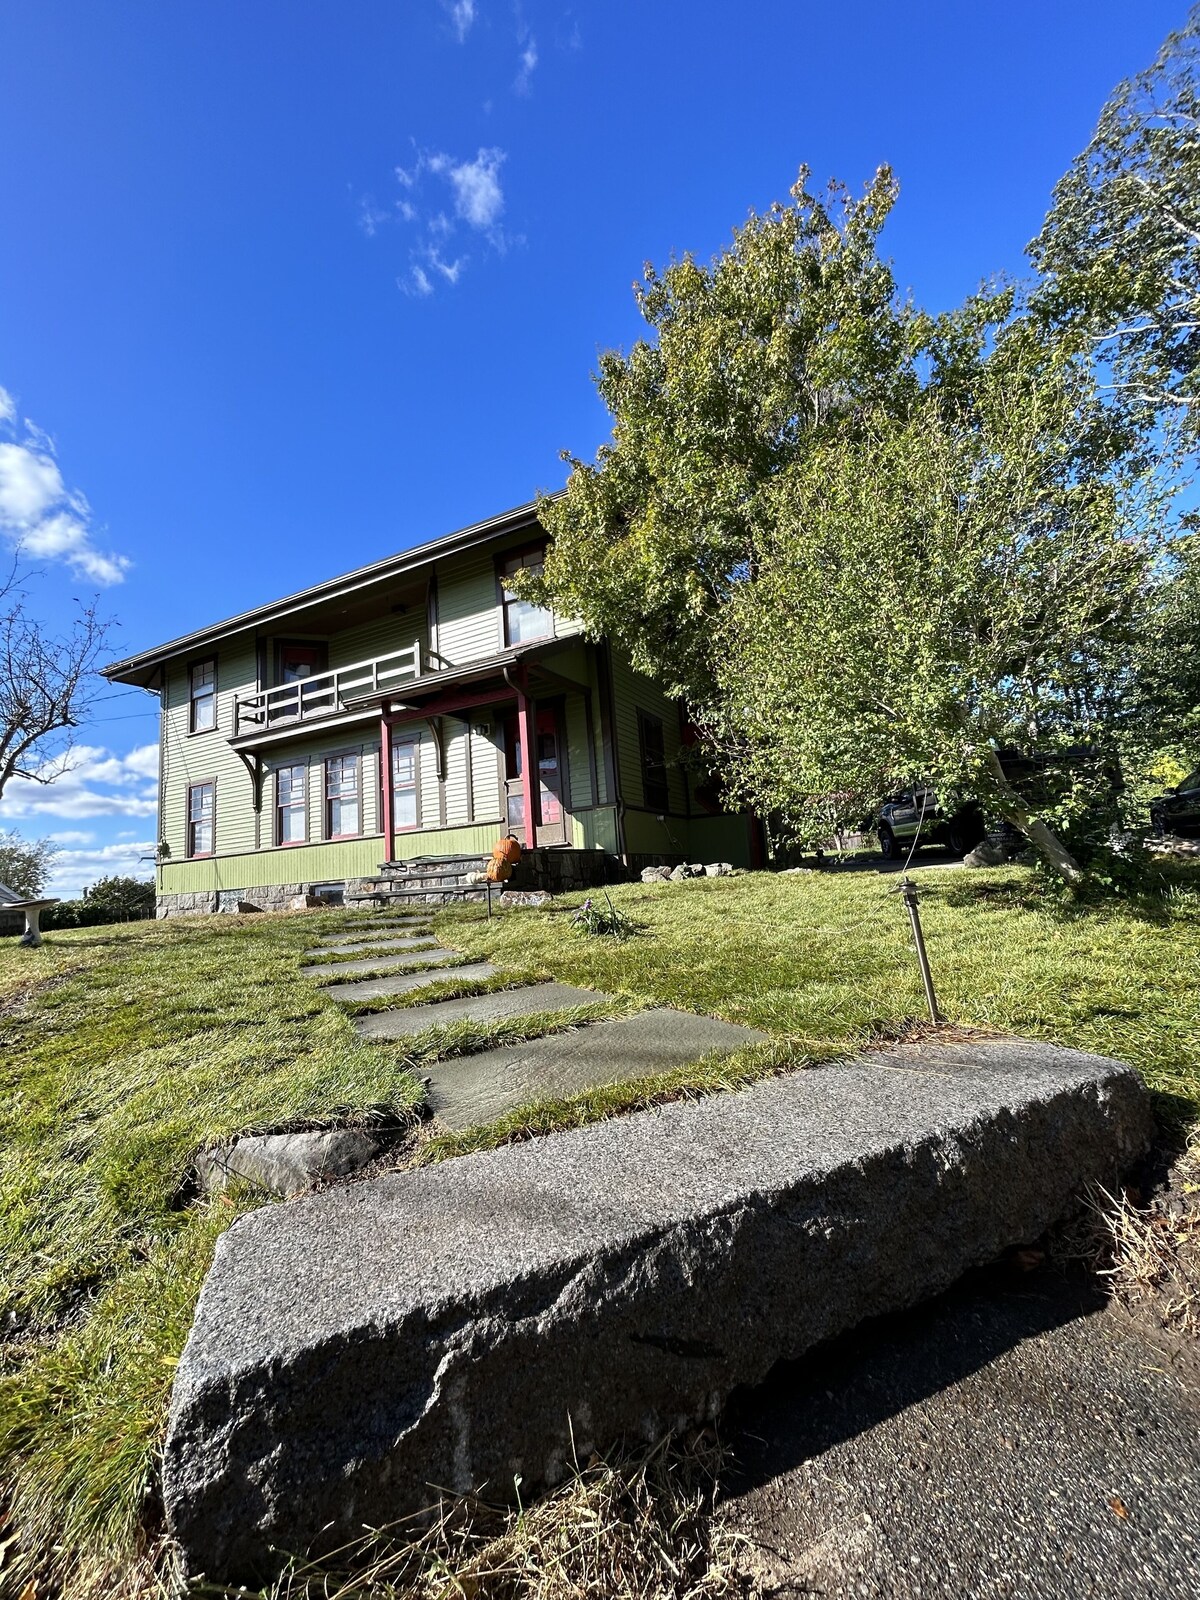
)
(1119, 253)
(751, 358)
(862, 543)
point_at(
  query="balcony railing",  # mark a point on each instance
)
(325, 694)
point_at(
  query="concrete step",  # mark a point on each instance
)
(494, 1007)
(407, 982)
(468, 863)
(382, 963)
(490, 1319)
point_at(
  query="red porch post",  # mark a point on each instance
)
(385, 765)
(529, 766)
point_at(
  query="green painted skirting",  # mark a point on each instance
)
(355, 858)
(319, 863)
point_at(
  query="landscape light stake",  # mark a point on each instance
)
(909, 892)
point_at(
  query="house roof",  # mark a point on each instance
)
(141, 669)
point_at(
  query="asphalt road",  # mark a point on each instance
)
(1013, 1438)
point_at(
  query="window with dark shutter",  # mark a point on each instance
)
(654, 761)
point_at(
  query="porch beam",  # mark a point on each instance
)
(385, 763)
(525, 733)
(447, 704)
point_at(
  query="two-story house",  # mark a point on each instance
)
(396, 713)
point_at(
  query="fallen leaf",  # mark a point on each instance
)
(1118, 1507)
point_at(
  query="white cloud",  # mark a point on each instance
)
(478, 197)
(448, 269)
(76, 870)
(29, 484)
(90, 782)
(39, 516)
(75, 836)
(528, 61)
(473, 187)
(417, 281)
(371, 216)
(143, 761)
(462, 16)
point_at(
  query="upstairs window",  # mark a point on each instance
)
(406, 801)
(342, 799)
(201, 818)
(523, 621)
(654, 761)
(291, 810)
(202, 696)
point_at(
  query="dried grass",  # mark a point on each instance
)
(637, 1528)
(1151, 1254)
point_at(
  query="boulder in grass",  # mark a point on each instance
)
(307, 902)
(287, 1163)
(985, 854)
(656, 874)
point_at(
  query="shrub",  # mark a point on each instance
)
(109, 900)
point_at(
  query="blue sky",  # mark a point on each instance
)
(286, 287)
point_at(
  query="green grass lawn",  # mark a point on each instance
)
(126, 1050)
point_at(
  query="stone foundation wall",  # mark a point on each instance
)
(556, 871)
(561, 871)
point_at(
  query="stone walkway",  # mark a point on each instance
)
(400, 956)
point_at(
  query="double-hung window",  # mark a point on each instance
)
(654, 761)
(201, 818)
(291, 810)
(202, 696)
(342, 797)
(523, 621)
(406, 804)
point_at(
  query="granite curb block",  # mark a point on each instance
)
(463, 1324)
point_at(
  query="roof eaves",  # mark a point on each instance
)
(421, 555)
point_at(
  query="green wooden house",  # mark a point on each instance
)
(393, 715)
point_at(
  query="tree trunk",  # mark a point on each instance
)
(1051, 849)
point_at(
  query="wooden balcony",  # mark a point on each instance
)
(327, 694)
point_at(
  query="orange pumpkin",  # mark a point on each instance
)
(505, 855)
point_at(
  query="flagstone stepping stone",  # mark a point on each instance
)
(406, 982)
(477, 1008)
(408, 942)
(435, 956)
(466, 1090)
(369, 937)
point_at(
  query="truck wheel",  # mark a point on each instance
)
(887, 843)
(963, 834)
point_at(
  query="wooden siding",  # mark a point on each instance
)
(189, 758)
(380, 637)
(470, 625)
(633, 692)
(468, 612)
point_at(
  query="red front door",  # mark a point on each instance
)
(548, 741)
